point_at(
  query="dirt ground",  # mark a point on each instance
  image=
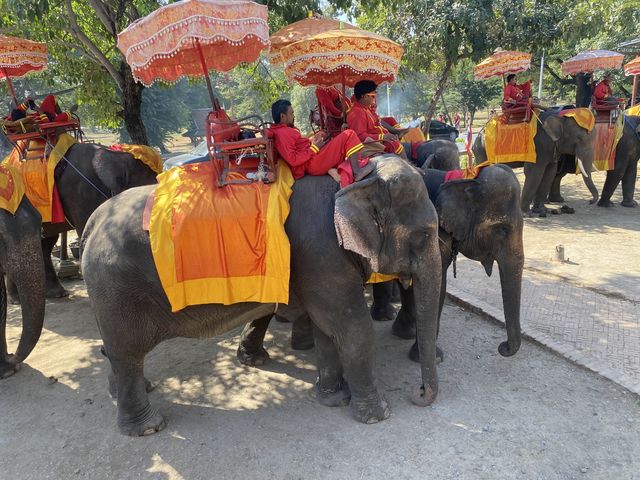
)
(533, 416)
(602, 245)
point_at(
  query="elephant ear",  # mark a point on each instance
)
(457, 204)
(553, 126)
(357, 220)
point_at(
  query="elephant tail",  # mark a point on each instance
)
(3, 318)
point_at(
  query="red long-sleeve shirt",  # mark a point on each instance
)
(364, 123)
(328, 98)
(294, 149)
(512, 92)
(602, 91)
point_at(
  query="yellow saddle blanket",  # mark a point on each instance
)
(220, 245)
(147, 155)
(11, 188)
(38, 175)
(506, 143)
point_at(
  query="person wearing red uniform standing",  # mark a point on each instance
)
(367, 124)
(339, 157)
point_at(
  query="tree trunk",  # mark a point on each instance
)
(583, 90)
(444, 76)
(132, 103)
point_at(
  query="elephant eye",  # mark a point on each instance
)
(502, 229)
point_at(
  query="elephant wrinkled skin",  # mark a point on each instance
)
(384, 222)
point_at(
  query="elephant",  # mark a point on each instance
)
(383, 223)
(439, 153)
(626, 168)
(88, 177)
(479, 218)
(21, 260)
(556, 135)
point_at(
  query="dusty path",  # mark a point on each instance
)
(533, 416)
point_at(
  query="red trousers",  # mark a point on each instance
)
(334, 153)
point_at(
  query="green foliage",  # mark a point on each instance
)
(475, 95)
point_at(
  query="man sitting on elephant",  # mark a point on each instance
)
(367, 124)
(339, 157)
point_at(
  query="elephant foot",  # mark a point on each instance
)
(8, 369)
(567, 209)
(404, 327)
(424, 396)
(252, 359)
(605, 203)
(369, 412)
(56, 291)
(556, 198)
(333, 397)
(383, 313)
(629, 203)
(113, 389)
(414, 356)
(541, 211)
(506, 350)
(147, 424)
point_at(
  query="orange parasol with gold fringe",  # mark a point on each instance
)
(342, 56)
(190, 37)
(18, 57)
(633, 68)
(590, 60)
(502, 62)
(300, 30)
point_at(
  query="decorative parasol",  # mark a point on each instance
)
(300, 30)
(633, 68)
(342, 56)
(18, 57)
(190, 37)
(502, 62)
(586, 62)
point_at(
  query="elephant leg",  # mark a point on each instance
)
(395, 293)
(554, 192)
(533, 173)
(610, 185)
(53, 285)
(251, 350)
(136, 416)
(544, 188)
(302, 333)
(332, 389)
(629, 185)
(12, 292)
(405, 324)
(381, 308)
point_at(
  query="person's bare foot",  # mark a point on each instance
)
(334, 174)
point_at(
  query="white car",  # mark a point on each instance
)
(198, 154)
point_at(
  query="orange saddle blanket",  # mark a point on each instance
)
(607, 138)
(220, 244)
(507, 143)
(11, 189)
(38, 177)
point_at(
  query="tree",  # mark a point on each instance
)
(474, 94)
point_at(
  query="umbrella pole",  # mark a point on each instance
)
(205, 70)
(344, 95)
(10, 85)
(634, 89)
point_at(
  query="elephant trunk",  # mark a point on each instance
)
(510, 267)
(426, 285)
(585, 170)
(30, 283)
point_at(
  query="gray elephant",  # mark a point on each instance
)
(21, 261)
(626, 168)
(479, 218)
(384, 223)
(556, 135)
(90, 175)
(439, 153)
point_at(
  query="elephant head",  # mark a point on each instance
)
(21, 260)
(571, 139)
(389, 221)
(484, 218)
